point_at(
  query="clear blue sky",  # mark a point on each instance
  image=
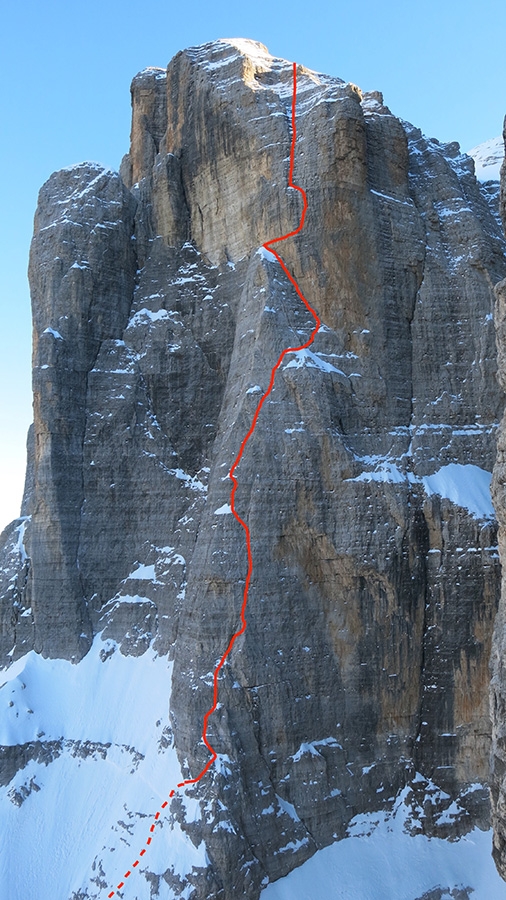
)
(65, 73)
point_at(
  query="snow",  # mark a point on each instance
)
(288, 808)
(488, 158)
(253, 49)
(312, 748)
(69, 699)
(263, 253)
(293, 846)
(20, 545)
(99, 799)
(387, 472)
(91, 186)
(310, 360)
(160, 74)
(379, 860)
(144, 573)
(56, 334)
(464, 485)
(191, 481)
(224, 510)
(144, 316)
(393, 199)
(130, 598)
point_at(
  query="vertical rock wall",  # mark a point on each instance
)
(498, 685)
(364, 666)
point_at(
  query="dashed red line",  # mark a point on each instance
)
(268, 246)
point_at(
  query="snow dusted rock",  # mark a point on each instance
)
(488, 158)
(498, 687)
(503, 182)
(365, 486)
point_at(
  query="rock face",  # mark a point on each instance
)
(157, 320)
(503, 182)
(498, 686)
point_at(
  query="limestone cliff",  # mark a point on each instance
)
(157, 320)
(498, 686)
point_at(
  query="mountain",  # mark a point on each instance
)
(352, 710)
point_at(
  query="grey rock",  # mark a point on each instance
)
(82, 269)
(498, 682)
(503, 182)
(370, 613)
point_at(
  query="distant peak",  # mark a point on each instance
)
(488, 159)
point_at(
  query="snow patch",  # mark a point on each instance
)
(310, 360)
(144, 316)
(20, 545)
(464, 485)
(379, 860)
(288, 808)
(224, 510)
(312, 748)
(264, 253)
(56, 334)
(142, 573)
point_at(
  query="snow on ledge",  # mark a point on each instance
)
(224, 510)
(56, 334)
(464, 485)
(266, 254)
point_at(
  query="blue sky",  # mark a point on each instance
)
(65, 72)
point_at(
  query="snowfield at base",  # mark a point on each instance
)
(65, 818)
(76, 819)
(380, 861)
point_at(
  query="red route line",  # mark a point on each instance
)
(231, 475)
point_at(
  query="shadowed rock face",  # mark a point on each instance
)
(498, 686)
(376, 574)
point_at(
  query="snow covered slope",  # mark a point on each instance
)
(488, 159)
(99, 764)
(381, 861)
(79, 811)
